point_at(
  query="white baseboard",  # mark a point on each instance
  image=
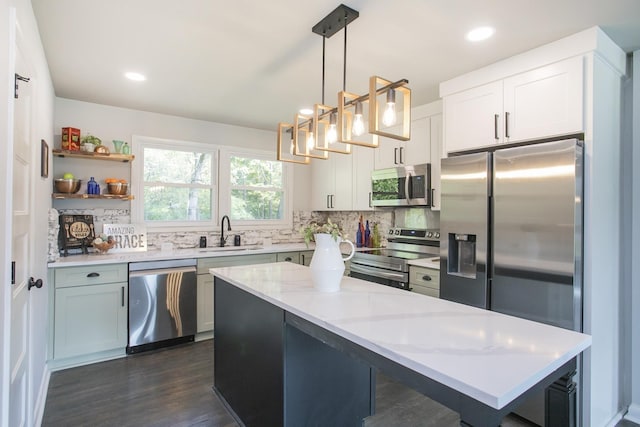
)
(633, 414)
(38, 410)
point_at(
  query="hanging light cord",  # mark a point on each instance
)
(344, 62)
(323, 48)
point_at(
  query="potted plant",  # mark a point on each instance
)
(327, 263)
(89, 143)
(329, 228)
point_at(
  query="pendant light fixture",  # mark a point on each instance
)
(387, 108)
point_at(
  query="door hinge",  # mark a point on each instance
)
(13, 272)
(17, 77)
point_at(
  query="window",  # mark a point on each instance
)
(175, 183)
(254, 188)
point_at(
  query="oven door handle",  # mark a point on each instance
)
(400, 277)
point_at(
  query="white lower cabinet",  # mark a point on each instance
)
(424, 281)
(204, 306)
(90, 316)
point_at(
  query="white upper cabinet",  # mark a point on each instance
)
(436, 154)
(363, 159)
(393, 153)
(332, 183)
(543, 102)
(472, 117)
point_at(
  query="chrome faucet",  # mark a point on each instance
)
(223, 239)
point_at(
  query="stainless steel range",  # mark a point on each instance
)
(390, 266)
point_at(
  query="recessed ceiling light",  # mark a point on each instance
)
(480, 33)
(137, 77)
(306, 111)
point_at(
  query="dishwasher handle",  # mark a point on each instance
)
(161, 271)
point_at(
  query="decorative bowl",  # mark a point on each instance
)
(68, 186)
(117, 188)
(102, 149)
(104, 247)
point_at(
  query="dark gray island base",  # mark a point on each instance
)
(273, 368)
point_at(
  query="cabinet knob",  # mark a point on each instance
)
(288, 258)
(426, 278)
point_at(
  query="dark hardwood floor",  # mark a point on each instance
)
(172, 387)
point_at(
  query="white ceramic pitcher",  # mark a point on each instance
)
(327, 264)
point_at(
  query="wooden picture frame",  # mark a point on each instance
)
(44, 159)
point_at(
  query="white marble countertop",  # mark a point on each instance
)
(488, 356)
(426, 262)
(157, 255)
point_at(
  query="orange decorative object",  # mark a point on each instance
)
(71, 139)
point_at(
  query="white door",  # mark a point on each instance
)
(21, 251)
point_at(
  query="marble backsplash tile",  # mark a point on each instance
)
(347, 220)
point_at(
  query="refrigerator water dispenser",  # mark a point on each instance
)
(462, 255)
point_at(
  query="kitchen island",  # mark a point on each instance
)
(286, 354)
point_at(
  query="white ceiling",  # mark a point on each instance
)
(255, 63)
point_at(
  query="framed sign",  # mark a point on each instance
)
(128, 237)
(44, 159)
(76, 232)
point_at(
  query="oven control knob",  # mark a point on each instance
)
(429, 234)
(397, 231)
(437, 235)
(390, 231)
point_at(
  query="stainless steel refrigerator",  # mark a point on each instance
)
(511, 241)
(511, 227)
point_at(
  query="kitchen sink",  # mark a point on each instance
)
(230, 248)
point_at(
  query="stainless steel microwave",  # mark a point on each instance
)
(402, 186)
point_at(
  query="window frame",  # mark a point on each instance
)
(139, 143)
(224, 185)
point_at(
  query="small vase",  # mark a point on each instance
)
(327, 264)
(118, 145)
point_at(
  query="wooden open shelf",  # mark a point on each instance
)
(91, 196)
(114, 157)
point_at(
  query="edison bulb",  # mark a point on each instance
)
(389, 118)
(311, 141)
(291, 148)
(358, 125)
(332, 134)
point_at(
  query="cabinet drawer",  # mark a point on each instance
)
(90, 275)
(424, 290)
(288, 256)
(425, 277)
(204, 264)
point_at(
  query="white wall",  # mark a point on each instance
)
(109, 123)
(42, 89)
(634, 409)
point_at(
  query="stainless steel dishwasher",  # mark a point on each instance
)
(162, 303)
